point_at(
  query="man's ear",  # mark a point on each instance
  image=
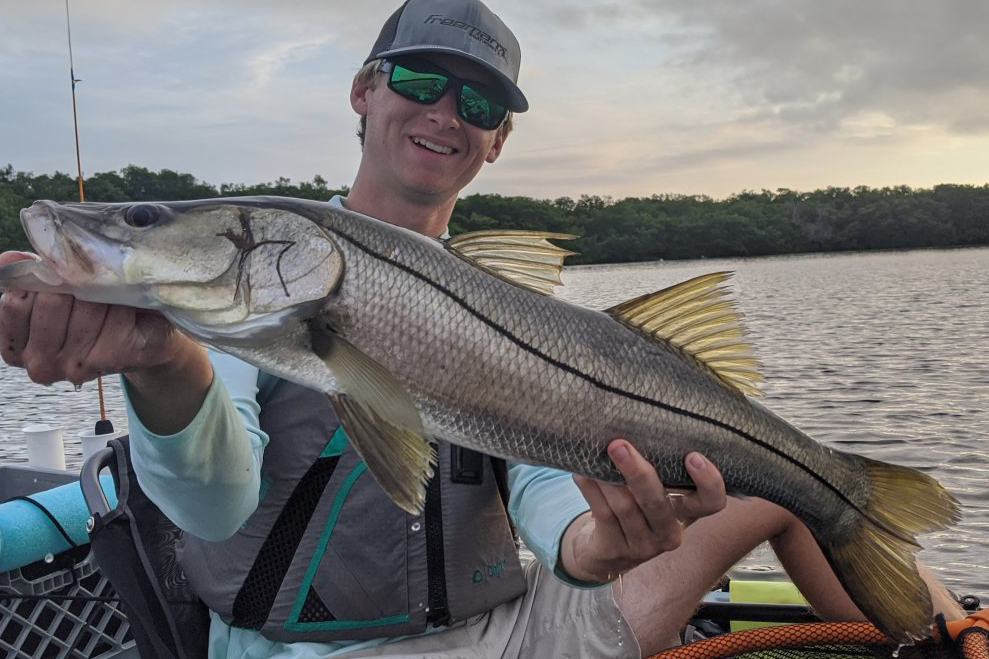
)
(495, 149)
(358, 97)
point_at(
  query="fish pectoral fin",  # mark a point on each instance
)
(29, 275)
(525, 258)
(699, 318)
(379, 417)
(400, 459)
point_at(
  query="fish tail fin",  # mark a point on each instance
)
(876, 562)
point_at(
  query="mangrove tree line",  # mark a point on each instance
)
(666, 226)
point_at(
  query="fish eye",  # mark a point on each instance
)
(142, 216)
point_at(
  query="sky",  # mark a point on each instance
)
(627, 98)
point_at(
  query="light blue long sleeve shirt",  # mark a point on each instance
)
(206, 479)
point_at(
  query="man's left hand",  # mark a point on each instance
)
(631, 523)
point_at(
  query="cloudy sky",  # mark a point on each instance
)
(631, 97)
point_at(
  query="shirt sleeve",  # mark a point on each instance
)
(206, 477)
(543, 502)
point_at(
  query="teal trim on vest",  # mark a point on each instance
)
(331, 625)
(293, 624)
(337, 444)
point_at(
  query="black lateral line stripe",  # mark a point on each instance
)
(609, 388)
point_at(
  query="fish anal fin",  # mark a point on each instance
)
(525, 258)
(399, 459)
(876, 562)
(700, 319)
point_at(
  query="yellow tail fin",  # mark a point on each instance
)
(876, 563)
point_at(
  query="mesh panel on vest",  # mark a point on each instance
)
(314, 610)
(256, 596)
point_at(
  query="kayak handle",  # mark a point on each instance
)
(89, 481)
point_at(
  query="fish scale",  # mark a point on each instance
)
(513, 378)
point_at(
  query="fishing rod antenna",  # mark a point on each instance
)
(103, 426)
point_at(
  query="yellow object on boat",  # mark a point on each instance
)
(762, 592)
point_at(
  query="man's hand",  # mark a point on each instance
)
(629, 524)
(57, 337)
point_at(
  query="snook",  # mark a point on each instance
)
(413, 338)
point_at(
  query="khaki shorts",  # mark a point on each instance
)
(551, 621)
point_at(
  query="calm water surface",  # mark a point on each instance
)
(883, 354)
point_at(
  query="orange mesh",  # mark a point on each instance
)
(788, 637)
(828, 640)
(975, 644)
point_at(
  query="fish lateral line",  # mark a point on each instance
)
(601, 385)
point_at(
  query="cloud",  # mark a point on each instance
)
(815, 64)
(630, 97)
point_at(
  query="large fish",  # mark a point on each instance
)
(415, 338)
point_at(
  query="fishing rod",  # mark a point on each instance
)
(103, 426)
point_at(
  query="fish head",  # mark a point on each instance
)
(236, 267)
(70, 255)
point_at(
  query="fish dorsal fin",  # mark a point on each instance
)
(698, 317)
(379, 418)
(525, 258)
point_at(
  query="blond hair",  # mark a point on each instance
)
(368, 75)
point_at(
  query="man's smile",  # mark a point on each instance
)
(432, 146)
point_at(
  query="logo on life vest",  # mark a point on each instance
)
(488, 572)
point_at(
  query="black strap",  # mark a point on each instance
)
(466, 466)
(439, 610)
(52, 597)
(42, 508)
(500, 469)
(942, 629)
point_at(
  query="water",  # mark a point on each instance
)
(883, 354)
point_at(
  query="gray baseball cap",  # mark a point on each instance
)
(460, 27)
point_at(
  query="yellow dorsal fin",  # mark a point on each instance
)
(698, 317)
(525, 258)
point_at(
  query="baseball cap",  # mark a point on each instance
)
(460, 27)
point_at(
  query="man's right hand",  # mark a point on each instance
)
(56, 337)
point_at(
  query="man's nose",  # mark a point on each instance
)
(444, 111)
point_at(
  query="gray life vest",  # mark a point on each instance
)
(327, 556)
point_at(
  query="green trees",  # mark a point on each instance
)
(748, 223)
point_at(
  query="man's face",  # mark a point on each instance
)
(424, 152)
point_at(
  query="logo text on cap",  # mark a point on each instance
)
(473, 31)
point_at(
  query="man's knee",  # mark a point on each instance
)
(763, 518)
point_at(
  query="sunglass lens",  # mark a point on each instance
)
(416, 86)
(479, 110)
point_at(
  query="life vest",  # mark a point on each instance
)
(327, 556)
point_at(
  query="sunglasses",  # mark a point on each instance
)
(425, 83)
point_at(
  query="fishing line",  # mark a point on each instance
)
(103, 426)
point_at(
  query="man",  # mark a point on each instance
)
(295, 549)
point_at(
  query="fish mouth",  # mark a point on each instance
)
(68, 248)
(42, 226)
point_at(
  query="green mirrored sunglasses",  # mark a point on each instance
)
(423, 82)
